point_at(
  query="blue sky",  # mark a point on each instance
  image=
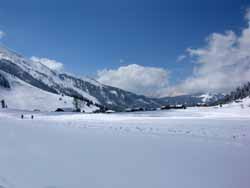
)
(92, 35)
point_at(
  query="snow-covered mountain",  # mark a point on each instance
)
(24, 80)
(31, 85)
(241, 92)
(195, 99)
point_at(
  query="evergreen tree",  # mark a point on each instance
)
(240, 93)
(76, 103)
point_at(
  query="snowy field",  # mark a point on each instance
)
(193, 148)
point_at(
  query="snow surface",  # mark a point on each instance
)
(43, 73)
(25, 96)
(195, 148)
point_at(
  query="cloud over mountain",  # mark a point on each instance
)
(149, 81)
(221, 65)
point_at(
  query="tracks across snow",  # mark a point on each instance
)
(192, 148)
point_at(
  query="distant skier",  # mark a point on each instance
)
(32, 116)
(22, 116)
(3, 103)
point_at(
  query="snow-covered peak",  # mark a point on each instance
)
(210, 97)
(206, 97)
(22, 62)
(16, 58)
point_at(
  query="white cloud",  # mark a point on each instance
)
(149, 81)
(181, 58)
(221, 65)
(52, 64)
(247, 15)
(2, 34)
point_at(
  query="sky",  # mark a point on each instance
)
(150, 47)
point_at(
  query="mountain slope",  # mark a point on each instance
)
(21, 95)
(25, 96)
(35, 76)
(238, 94)
(39, 76)
(192, 100)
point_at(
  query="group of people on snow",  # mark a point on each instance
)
(32, 116)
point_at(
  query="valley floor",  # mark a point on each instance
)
(196, 148)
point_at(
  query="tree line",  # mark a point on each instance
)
(238, 94)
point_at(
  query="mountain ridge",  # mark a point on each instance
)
(86, 89)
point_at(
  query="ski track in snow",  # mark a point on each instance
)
(221, 125)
